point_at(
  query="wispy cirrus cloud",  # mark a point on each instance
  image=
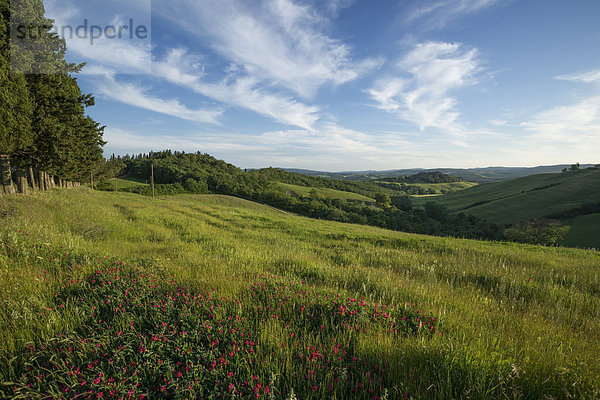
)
(122, 52)
(276, 42)
(572, 128)
(242, 91)
(574, 123)
(419, 88)
(434, 14)
(107, 86)
(328, 148)
(592, 76)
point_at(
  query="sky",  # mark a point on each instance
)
(343, 85)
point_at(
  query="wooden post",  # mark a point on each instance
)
(6, 174)
(92, 180)
(31, 177)
(41, 179)
(21, 180)
(152, 180)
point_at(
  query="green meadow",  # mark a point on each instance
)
(324, 192)
(533, 196)
(440, 188)
(116, 295)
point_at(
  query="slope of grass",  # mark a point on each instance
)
(117, 286)
(439, 188)
(584, 232)
(325, 192)
(526, 198)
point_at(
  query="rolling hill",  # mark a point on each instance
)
(479, 175)
(535, 196)
(199, 295)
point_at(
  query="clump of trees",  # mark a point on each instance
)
(546, 232)
(46, 138)
(425, 177)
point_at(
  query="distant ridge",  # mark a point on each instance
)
(479, 175)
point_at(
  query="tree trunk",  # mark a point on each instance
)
(22, 180)
(6, 174)
(42, 180)
(31, 177)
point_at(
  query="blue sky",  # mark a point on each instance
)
(348, 85)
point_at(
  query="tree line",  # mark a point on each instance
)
(46, 138)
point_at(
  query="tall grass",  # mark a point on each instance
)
(511, 321)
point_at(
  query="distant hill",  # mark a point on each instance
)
(479, 175)
(572, 197)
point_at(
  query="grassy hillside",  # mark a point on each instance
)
(208, 296)
(479, 175)
(584, 232)
(324, 192)
(439, 188)
(122, 183)
(525, 198)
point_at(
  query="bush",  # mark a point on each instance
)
(538, 231)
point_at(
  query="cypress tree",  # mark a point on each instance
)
(16, 106)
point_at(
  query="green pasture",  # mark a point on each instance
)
(324, 192)
(511, 321)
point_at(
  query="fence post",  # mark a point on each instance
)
(152, 180)
(6, 174)
(21, 180)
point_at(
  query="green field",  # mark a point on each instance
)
(324, 192)
(440, 188)
(525, 198)
(531, 197)
(121, 183)
(129, 182)
(584, 232)
(206, 296)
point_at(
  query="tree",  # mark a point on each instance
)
(539, 231)
(41, 101)
(16, 107)
(382, 200)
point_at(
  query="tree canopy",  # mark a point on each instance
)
(42, 109)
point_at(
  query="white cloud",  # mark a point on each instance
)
(577, 123)
(128, 93)
(437, 13)
(592, 76)
(275, 41)
(125, 55)
(419, 89)
(241, 91)
(573, 128)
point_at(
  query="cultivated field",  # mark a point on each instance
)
(324, 192)
(440, 188)
(526, 198)
(116, 295)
